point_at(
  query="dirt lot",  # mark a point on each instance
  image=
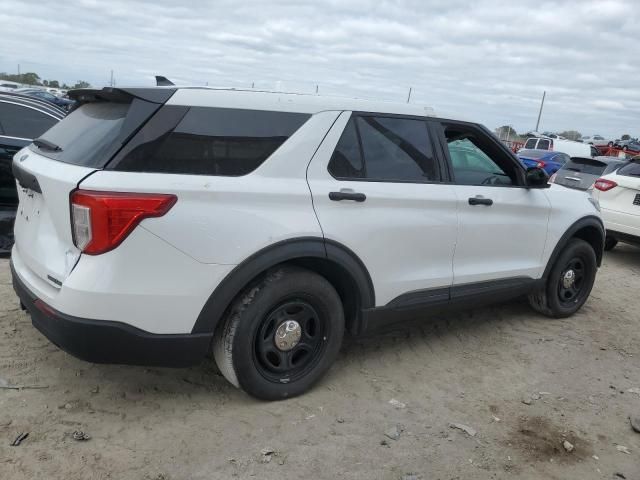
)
(472, 368)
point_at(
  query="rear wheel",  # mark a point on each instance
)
(610, 243)
(569, 283)
(282, 334)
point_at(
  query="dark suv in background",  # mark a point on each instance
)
(21, 120)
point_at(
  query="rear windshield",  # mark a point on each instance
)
(87, 135)
(543, 144)
(531, 143)
(591, 167)
(533, 153)
(631, 169)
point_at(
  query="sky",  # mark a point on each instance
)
(487, 60)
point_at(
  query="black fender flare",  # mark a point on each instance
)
(277, 253)
(589, 221)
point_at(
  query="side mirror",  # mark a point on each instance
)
(537, 178)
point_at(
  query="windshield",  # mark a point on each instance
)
(85, 137)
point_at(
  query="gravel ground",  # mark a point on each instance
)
(523, 383)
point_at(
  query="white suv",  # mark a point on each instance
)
(158, 225)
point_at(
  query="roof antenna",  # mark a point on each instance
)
(163, 81)
(409, 97)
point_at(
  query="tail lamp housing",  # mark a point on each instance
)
(101, 221)
(604, 185)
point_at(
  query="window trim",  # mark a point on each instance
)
(439, 125)
(430, 139)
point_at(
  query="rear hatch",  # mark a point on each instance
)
(626, 196)
(53, 166)
(580, 173)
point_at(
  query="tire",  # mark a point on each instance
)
(245, 348)
(610, 243)
(558, 300)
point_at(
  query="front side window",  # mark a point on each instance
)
(389, 149)
(215, 141)
(476, 160)
(23, 122)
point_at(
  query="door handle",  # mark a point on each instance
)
(480, 201)
(356, 197)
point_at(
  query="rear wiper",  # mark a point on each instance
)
(46, 145)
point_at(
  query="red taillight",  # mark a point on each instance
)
(604, 185)
(102, 220)
(541, 164)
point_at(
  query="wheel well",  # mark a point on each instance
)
(342, 281)
(593, 236)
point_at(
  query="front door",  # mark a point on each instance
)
(502, 224)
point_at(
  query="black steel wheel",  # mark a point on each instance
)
(290, 340)
(282, 334)
(569, 283)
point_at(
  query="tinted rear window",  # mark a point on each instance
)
(585, 166)
(88, 135)
(543, 144)
(214, 141)
(631, 169)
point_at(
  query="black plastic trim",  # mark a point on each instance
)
(589, 221)
(287, 250)
(111, 94)
(412, 305)
(24, 178)
(102, 341)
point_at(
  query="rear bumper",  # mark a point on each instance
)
(101, 341)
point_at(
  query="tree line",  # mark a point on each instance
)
(32, 78)
(508, 132)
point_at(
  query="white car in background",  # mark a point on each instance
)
(571, 148)
(619, 196)
(598, 141)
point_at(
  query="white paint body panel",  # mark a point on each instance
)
(405, 233)
(618, 211)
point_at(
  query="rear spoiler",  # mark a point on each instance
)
(121, 95)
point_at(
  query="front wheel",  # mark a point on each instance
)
(569, 283)
(610, 243)
(281, 335)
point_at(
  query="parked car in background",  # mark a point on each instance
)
(21, 120)
(571, 148)
(632, 145)
(582, 172)
(549, 161)
(64, 103)
(618, 194)
(598, 141)
(8, 86)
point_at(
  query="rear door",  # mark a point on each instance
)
(377, 189)
(502, 224)
(52, 167)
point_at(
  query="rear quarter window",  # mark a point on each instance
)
(213, 141)
(630, 169)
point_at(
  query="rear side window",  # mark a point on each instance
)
(387, 149)
(88, 135)
(630, 169)
(23, 122)
(215, 141)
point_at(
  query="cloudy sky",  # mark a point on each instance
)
(486, 60)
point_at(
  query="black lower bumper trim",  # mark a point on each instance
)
(101, 341)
